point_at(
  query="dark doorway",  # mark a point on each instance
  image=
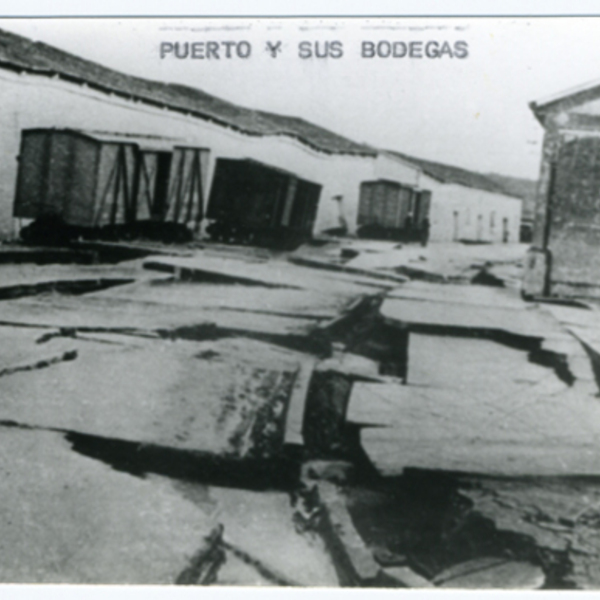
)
(161, 184)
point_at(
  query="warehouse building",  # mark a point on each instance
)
(564, 258)
(465, 205)
(162, 148)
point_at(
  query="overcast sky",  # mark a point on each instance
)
(472, 112)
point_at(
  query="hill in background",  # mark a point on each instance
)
(519, 187)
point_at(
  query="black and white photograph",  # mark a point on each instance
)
(303, 302)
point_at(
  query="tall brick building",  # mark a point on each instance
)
(564, 259)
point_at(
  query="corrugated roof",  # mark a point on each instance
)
(20, 53)
(451, 174)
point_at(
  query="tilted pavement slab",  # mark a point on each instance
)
(66, 518)
(215, 397)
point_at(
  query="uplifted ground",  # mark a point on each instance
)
(355, 413)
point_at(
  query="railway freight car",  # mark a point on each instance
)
(390, 210)
(75, 183)
(251, 202)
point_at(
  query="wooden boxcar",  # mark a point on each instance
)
(97, 180)
(389, 209)
(253, 202)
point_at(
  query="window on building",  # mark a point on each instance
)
(492, 220)
(468, 216)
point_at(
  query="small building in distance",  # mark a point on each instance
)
(525, 189)
(466, 206)
(564, 259)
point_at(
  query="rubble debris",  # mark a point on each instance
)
(362, 331)
(335, 471)
(559, 517)
(387, 558)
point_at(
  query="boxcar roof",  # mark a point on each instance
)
(144, 142)
(262, 165)
(388, 182)
(22, 54)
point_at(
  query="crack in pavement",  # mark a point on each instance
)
(41, 364)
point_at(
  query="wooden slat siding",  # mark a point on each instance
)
(364, 204)
(116, 188)
(196, 200)
(103, 204)
(405, 195)
(80, 192)
(129, 161)
(32, 174)
(184, 192)
(425, 206)
(305, 207)
(58, 193)
(149, 170)
(132, 215)
(291, 196)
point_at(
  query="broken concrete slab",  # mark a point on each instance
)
(221, 269)
(458, 318)
(274, 273)
(260, 524)
(471, 295)
(442, 260)
(444, 429)
(476, 366)
(69, 519)
(131, 316)
(294, 422)
(167, 393)
(354, 561)
(492, 573)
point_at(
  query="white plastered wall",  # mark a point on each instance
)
(463, 213)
